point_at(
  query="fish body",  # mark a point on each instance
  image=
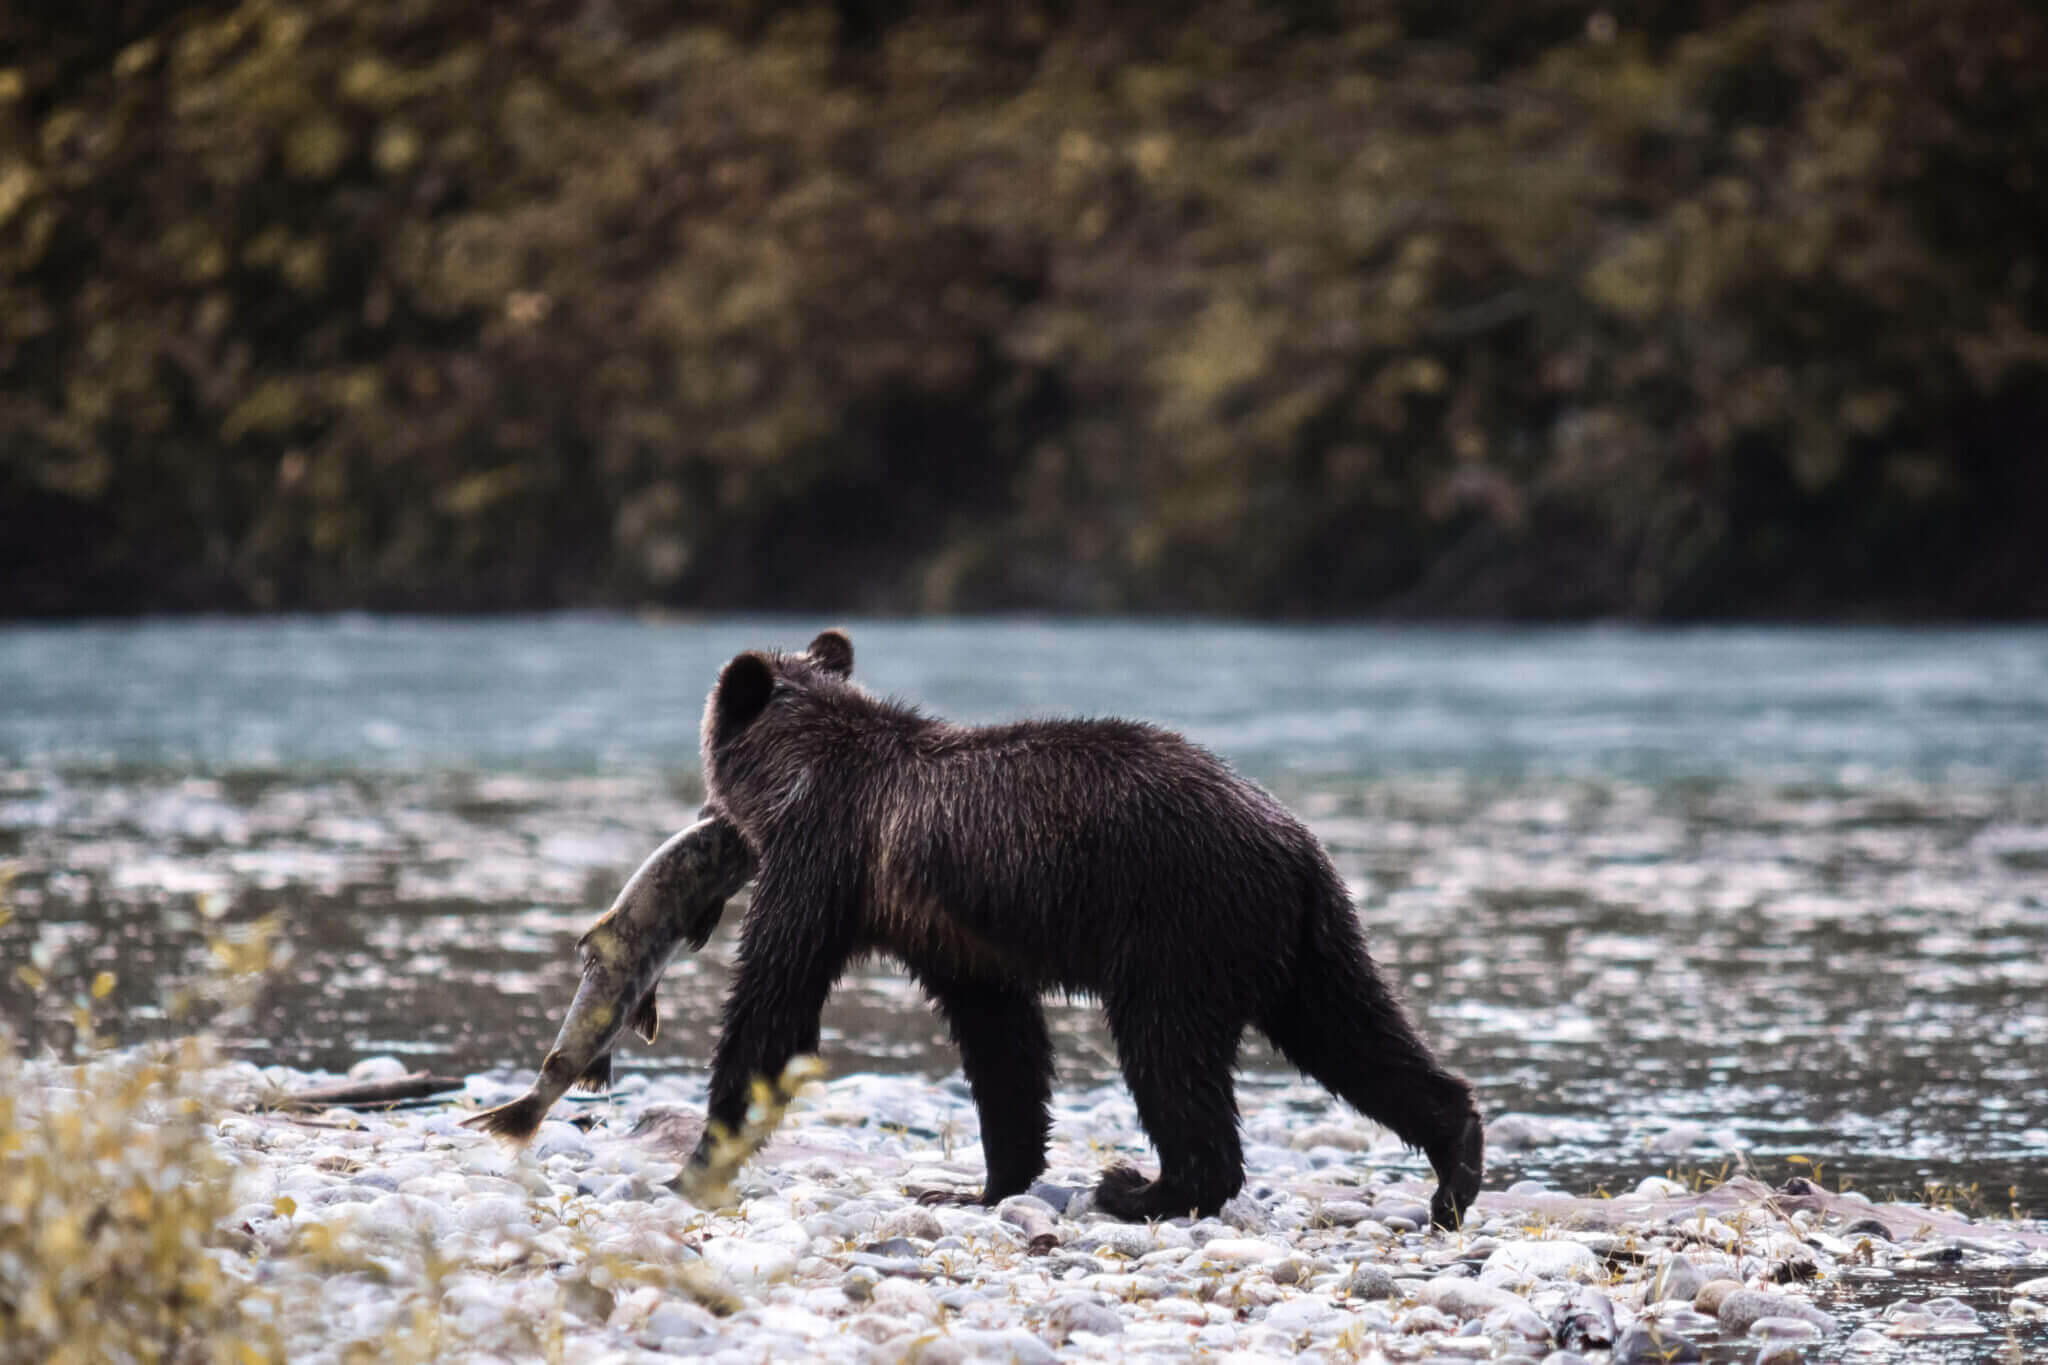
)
(676, 896)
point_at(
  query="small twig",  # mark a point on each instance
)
(419, 1085)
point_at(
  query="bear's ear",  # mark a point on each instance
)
(741, 695)
(833, 652)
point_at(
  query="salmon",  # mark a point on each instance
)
(676, 897)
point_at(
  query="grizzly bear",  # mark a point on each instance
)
(1103, 857)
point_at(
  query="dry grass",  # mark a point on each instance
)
(110, 1195)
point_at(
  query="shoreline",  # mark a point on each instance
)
(350, 1231)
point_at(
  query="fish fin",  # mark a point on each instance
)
(646, 1020)
(699, 934)
(517, 1122)
(597, 1077)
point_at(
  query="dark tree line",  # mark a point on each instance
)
(1518, 309)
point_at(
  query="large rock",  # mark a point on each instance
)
(1081, 1315)
(914, 1221)
(1371, 1282)
(1546, 1260)
(1708, 1300)
(1745, 1306)
(1242, 1251)
(1463, 1298)
(1583, 1320)
(1677, 1278)
(1648, 1344)
(743, 1262)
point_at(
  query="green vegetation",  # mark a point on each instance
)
(1510, 309)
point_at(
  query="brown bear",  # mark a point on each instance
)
(1103, 857)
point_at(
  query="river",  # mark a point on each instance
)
(1694, 899)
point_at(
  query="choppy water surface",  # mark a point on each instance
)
(1698, 897)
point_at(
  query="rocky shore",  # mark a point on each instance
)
(354, 1233)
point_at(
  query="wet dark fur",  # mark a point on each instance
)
(1099, 856)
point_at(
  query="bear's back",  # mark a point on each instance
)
(1015, 834)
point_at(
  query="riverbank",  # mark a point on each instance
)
(346, 1234)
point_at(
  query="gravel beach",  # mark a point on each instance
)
(354, 1230)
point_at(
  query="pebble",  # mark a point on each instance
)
(1583, 1320)
(1467, 1298)
(1407, 1215)
(1648, 1344)
(375, 1069)
(1517, 1322)
(1296, 1316)
(1326, 1256)
(1708, 1300)
(904, 1297)
(1520, 1133)
(756, 1263)
(1342, 1213)
(1081, 1315)
(1242, 1251)
(1054, 1197)
(1543, 1260)
(897, 1248)
(1123, 1239)
(1790, 1329)
(911, 1222)
(1370, 1282)
(1743, 1307)
(1677, 1278)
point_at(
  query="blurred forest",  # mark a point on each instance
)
(1512, 308)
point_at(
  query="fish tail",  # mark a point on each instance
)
(517, 1121)
(597, 1077)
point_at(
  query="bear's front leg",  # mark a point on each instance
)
(1007, 1055)
(787, 967)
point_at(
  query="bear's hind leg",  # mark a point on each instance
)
(1337, 1022)
(1179, 1073)
(1007, 1055)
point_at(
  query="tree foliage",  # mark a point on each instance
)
(1510, 309)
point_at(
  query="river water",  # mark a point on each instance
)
(1694, 900)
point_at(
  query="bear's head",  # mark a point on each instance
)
(764, 707)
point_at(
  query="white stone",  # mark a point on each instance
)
(403, 1218)
(492, 1213)
(374, 1069)
(794, 1322)
(1549, 1260)
(1784, 1329)
(1467, 1298)
(1679, 1137)
(1179, 1310)
(1242, 1251)
(895, 1295)
(1298, 1315)
(1126, 1239)
(757, 1263)
(560, 1139)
